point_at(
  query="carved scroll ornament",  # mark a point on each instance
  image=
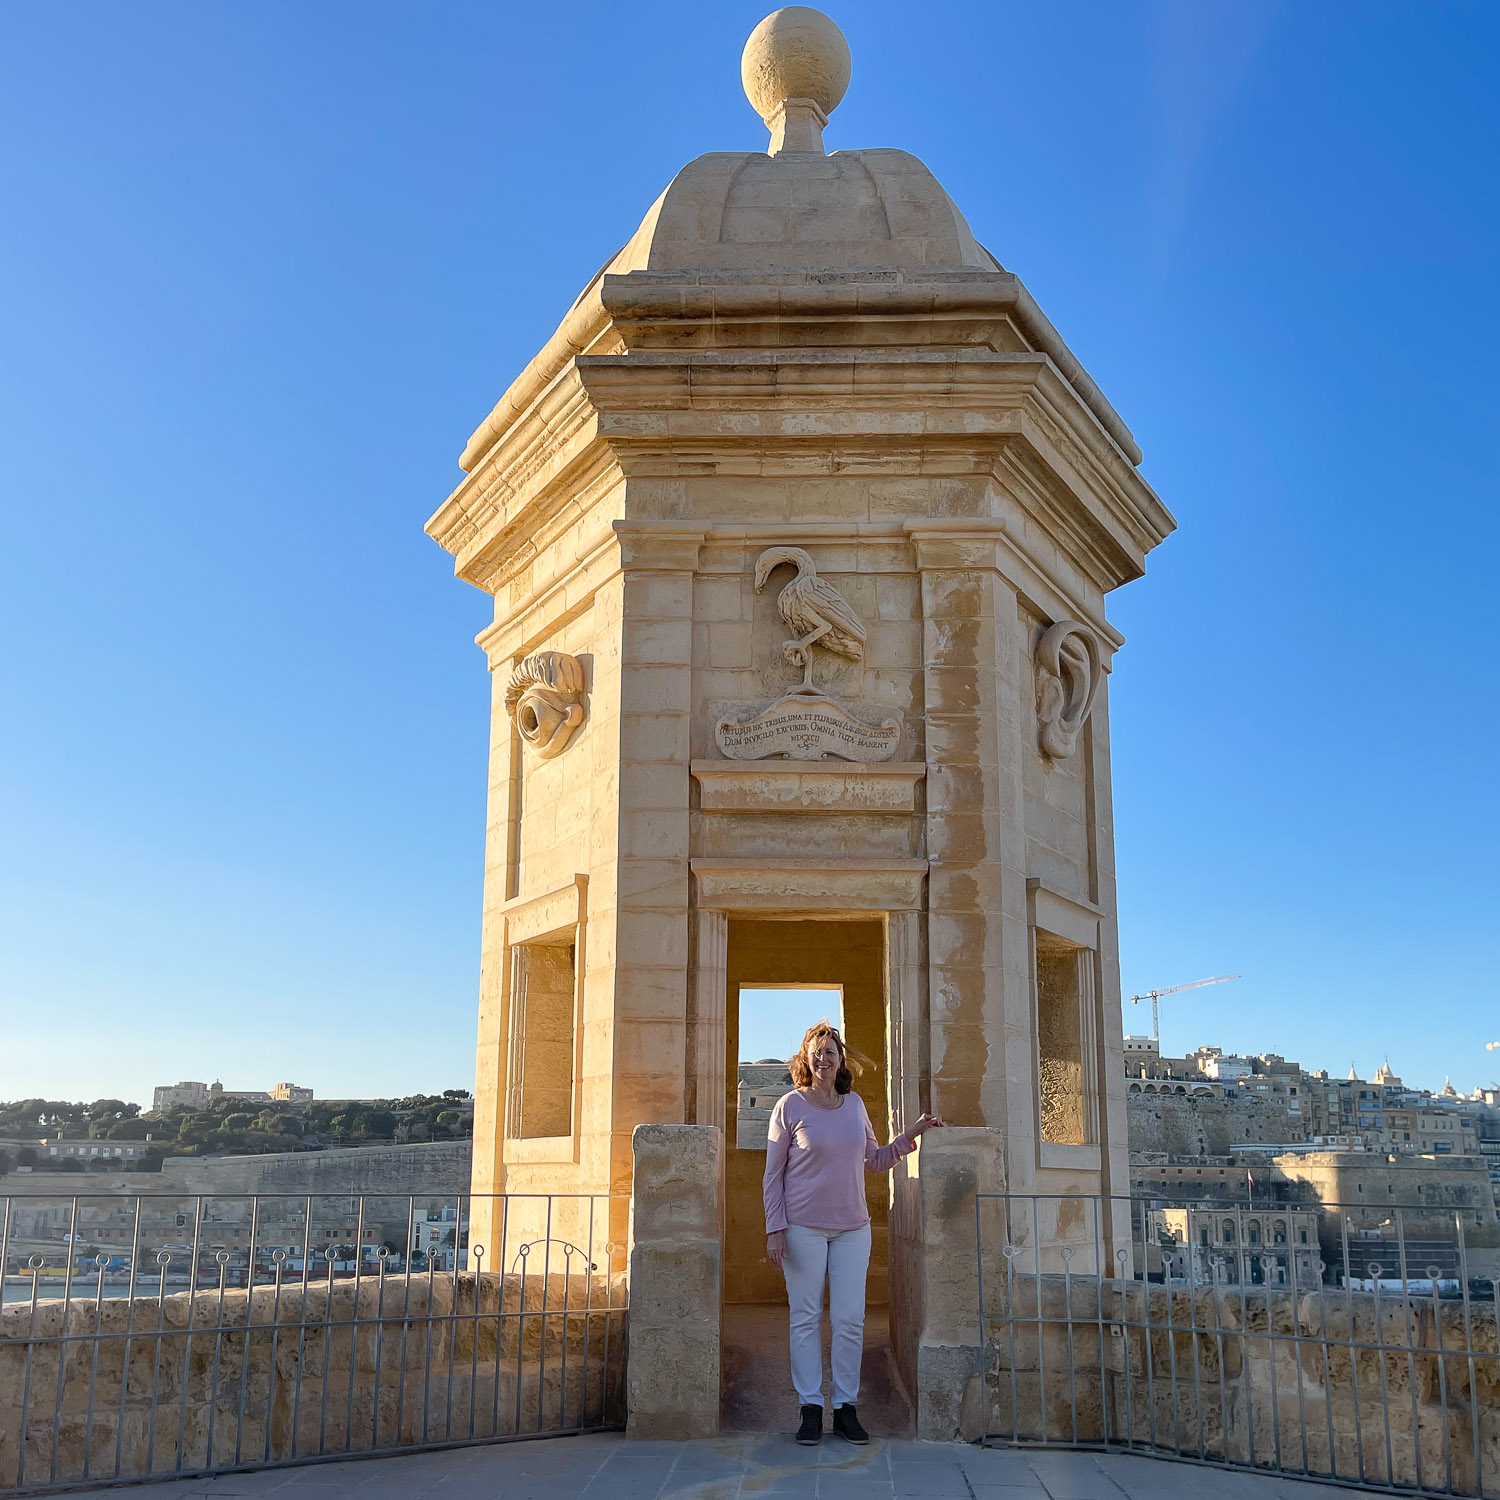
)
(1067, 677)
(543, 700)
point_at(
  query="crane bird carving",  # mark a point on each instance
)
(815, 611)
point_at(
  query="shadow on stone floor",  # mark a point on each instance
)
(756, 1390)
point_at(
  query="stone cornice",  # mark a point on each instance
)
(801, 413)
(868, 309)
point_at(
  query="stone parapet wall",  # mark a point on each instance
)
(1347, 1386)
(131, 1389)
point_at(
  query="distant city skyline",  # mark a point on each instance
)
(771, 1025)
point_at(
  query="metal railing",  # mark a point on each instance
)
(1346, 1342)
(157, 1335)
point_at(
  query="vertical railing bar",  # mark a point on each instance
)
(1010, 1320)
(4, 1265)
(1241, 1271)
(359, 1261)
(239, 1428)
(1271, 1340)
(979, 1285)
(62, 1337)
(330, 1254)
(562, 1374)
(588, 1318)
(1359, 1439)
(1145, 1290)
(452, 1329)
(278, 1261)
(1122, 1259)
(35, 1262)
(1323, 1344)
(187, 1342)
(1038, 1326)
(1463, 1285)
(1406, 1324)
(1167, 1301)
(1068, 1315)
(476, 1258)
(135, 1250)
(609, 1313)
(1190, 1278)
(163, 1260)
(1296, 1320)
(88, 1429)
(499, 1307)
(1385, 1387)
(307, 1253)
(380, 1263)
(1101, 1266)
(1442, 1374)
(523, 1255)
(4, 1244)
(427, 1341)
(213, 1401)
(411, 1221)
(541, 1380)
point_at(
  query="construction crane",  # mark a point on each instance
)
(1172, 989)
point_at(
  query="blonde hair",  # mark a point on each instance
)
(849, 1064)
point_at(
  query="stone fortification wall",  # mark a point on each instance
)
(424, 1169)
(384, 1363)
(1322, 1379)
(1206, 1124)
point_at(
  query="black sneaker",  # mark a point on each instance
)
(810, 1433)
(846, 1424)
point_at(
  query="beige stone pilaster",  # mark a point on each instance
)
(707, 1017)
(658, 561)
(976, 933)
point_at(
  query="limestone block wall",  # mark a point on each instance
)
(1205, 1124)
(200, 1382)
(1345, 1385)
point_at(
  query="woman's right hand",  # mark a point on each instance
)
(776, 1248)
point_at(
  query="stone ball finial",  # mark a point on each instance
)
(796, 57)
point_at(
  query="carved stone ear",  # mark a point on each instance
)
(1067, 677)
(543, 699)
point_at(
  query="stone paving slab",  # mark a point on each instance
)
(736, 1466)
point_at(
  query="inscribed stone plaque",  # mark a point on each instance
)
(806, 726)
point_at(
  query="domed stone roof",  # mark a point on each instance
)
(802, 211)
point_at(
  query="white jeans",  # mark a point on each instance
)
(841, 1257)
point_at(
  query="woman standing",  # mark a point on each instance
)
(819, 1147)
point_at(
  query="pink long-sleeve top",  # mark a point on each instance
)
(816, 1160)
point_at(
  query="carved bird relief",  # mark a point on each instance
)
(815, 611)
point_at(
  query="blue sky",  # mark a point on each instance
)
(268, 265)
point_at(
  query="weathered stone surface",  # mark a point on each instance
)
(676, 1283)
(180, 1382)
(1355, 1382)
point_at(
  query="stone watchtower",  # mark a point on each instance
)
(799, 530)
